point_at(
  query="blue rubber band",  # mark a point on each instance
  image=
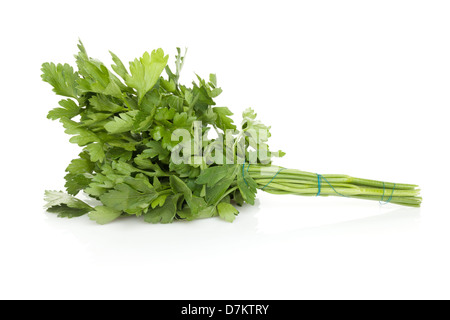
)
(319, 187)
(243, 175)
(273, 178)
(320, 177)
(390, 198)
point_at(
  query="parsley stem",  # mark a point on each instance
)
(296, 182)
(226, 193)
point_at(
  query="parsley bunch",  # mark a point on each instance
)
(130, 124)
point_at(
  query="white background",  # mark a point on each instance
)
(355, 87)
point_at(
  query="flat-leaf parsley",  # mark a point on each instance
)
(155, 148)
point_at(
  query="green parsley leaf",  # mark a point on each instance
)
(224, 122)
(125, 198)
(62, 78)
(145, 72)
(227, 212)
(66, 206)
(118, 67)
(103, 215)
(82, 136)
(69, 110)
(77, 182)
(95, 151)
(165, 213)
(103, 103)
(121, 124)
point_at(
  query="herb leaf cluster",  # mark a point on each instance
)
(124, 119)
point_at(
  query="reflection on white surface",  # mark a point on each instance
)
(301, 214)
(254, 229)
